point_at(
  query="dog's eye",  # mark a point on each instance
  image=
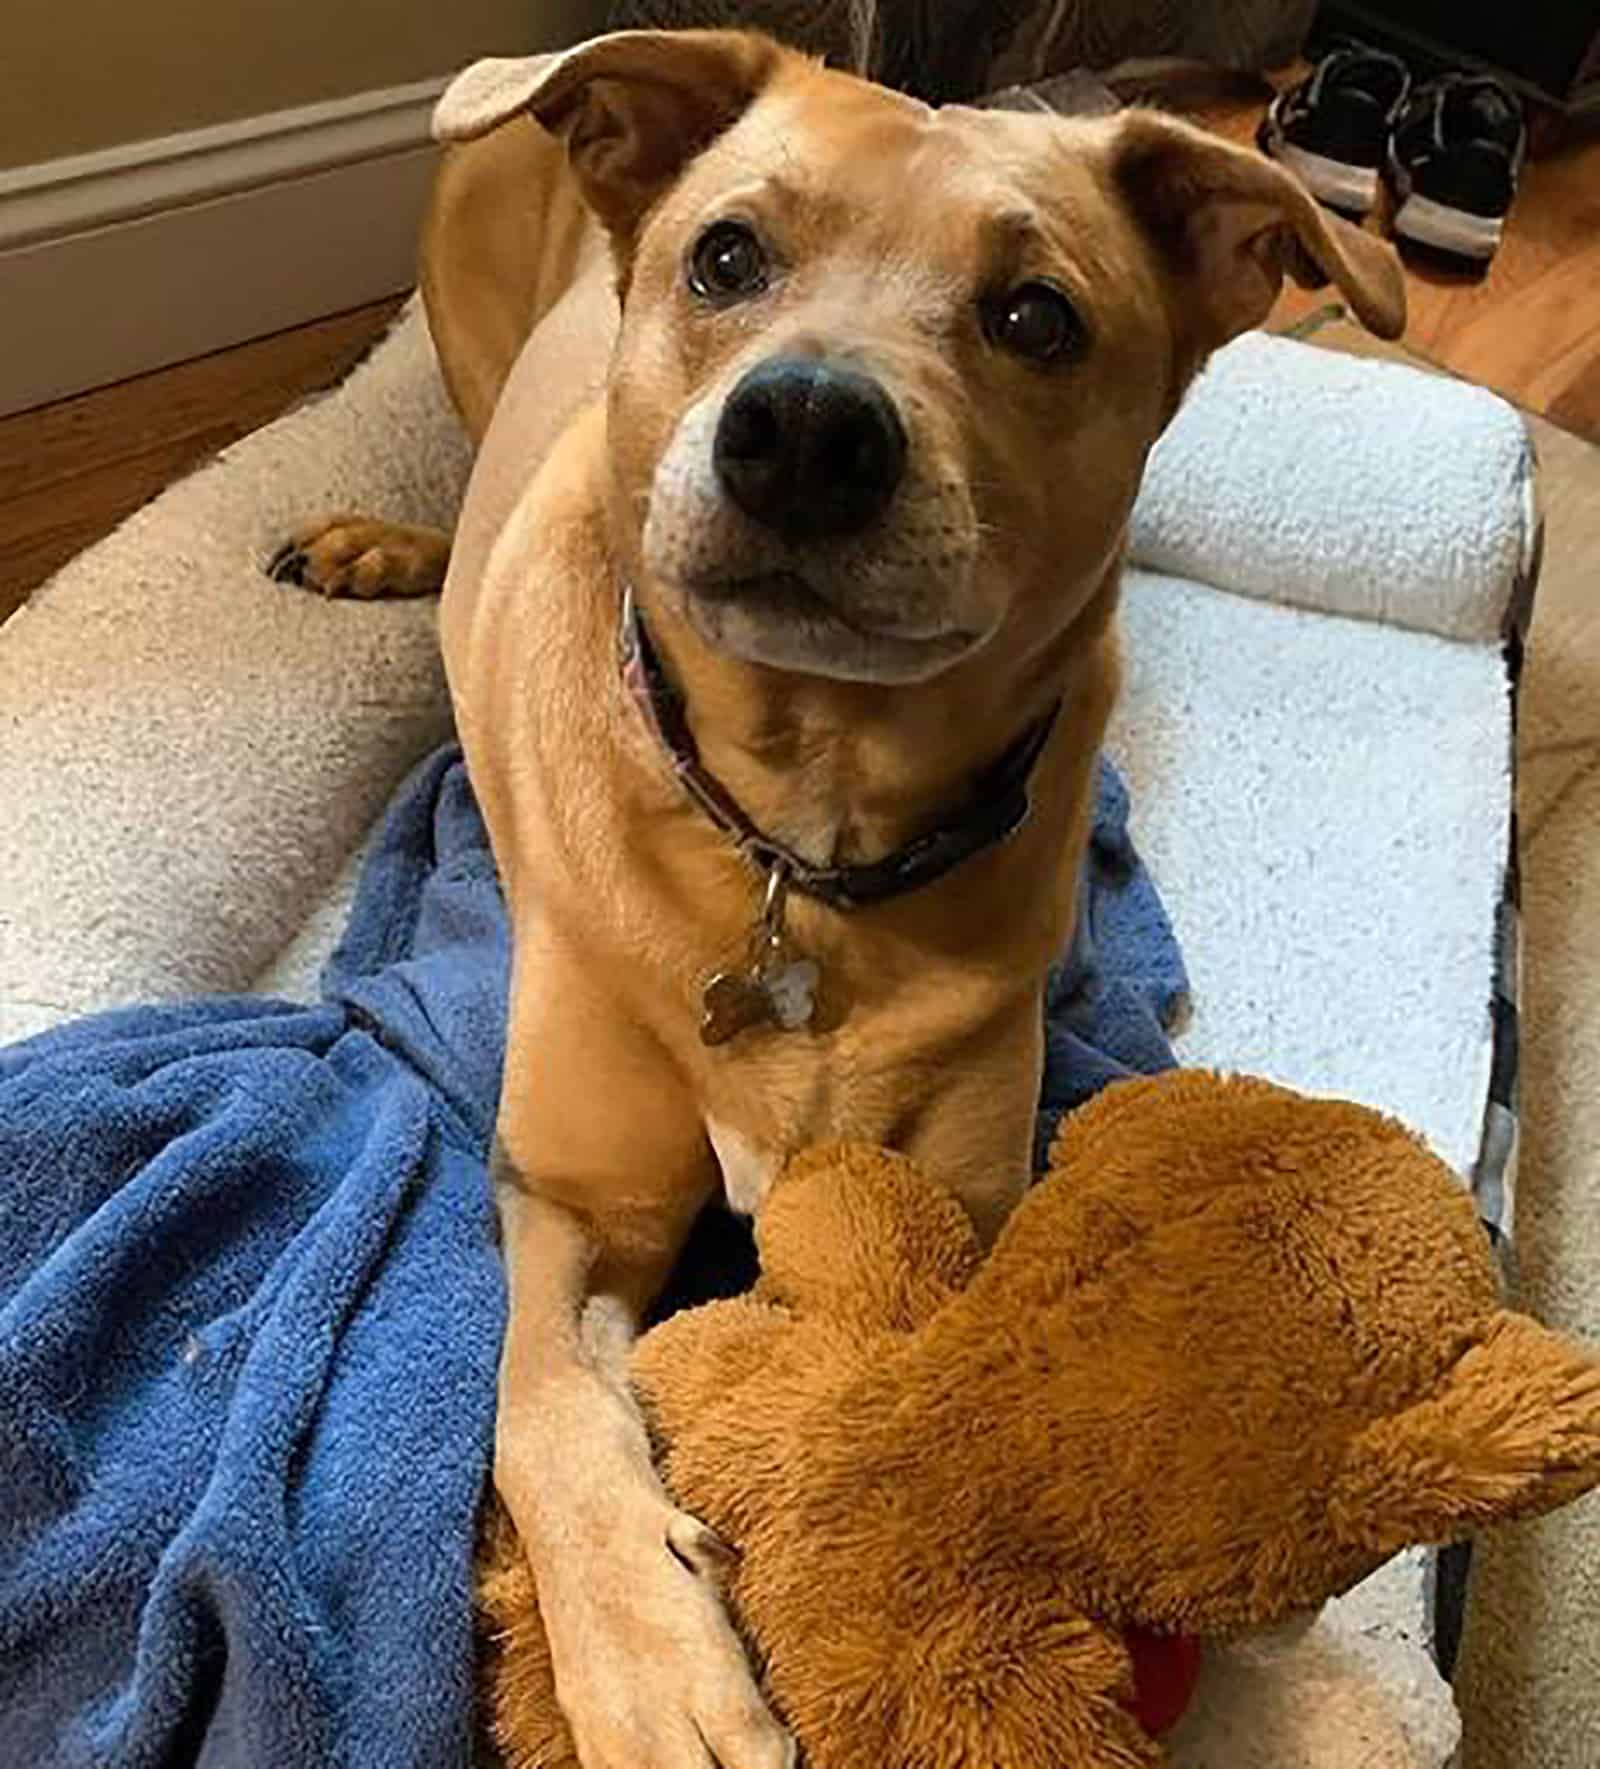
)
(728, 262)
(1034, 320)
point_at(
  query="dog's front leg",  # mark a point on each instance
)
(602, 1169)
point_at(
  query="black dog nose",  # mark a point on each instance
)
(809, 448)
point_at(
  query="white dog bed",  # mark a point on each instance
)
(1316, 731)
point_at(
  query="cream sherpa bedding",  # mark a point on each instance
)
(1316, 732)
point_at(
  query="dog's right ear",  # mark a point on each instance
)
(634, 108)
(1227, 225)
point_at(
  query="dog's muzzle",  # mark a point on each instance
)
(808, 448)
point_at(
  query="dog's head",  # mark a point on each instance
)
(887, 375)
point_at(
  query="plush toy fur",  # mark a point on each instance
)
(1238, 1348)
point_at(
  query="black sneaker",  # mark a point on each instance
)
(1454, 159)
(1332, 130)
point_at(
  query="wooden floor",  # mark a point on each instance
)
(1530, 328)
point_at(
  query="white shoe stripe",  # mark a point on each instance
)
(1450, 230)
(1344, 186)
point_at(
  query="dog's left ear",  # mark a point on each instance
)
(634, 107)
(1229, 225)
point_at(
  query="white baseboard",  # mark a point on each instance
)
(116, 263)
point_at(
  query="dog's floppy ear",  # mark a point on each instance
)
(634, 107)
(1229, 224)
(1514, 1430)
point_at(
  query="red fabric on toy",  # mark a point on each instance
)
(1166, 1668)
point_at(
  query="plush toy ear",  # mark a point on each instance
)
(854, 1234)
(1514, 1431)
(635, 107)
(1229, 224)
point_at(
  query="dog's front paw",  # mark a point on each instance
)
(649, 1671)
(347, 555)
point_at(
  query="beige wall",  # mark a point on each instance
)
(85, 74)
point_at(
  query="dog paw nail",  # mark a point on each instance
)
(699, 1549)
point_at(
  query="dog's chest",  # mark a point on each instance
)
(748, 1170)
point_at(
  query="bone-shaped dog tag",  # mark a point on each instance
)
(776, 990)
(791, 990)
(731, 1003)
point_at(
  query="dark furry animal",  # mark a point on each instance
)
(951, 51)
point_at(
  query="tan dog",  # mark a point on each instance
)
(875, 415)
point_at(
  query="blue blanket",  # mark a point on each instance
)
(250, 1308)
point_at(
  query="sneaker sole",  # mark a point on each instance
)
(1448, 230)
(1354, 189)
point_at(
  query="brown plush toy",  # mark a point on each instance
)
(1239, 1348)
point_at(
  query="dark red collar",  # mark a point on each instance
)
(997, 808)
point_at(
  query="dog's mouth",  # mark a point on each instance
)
(781, 619)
